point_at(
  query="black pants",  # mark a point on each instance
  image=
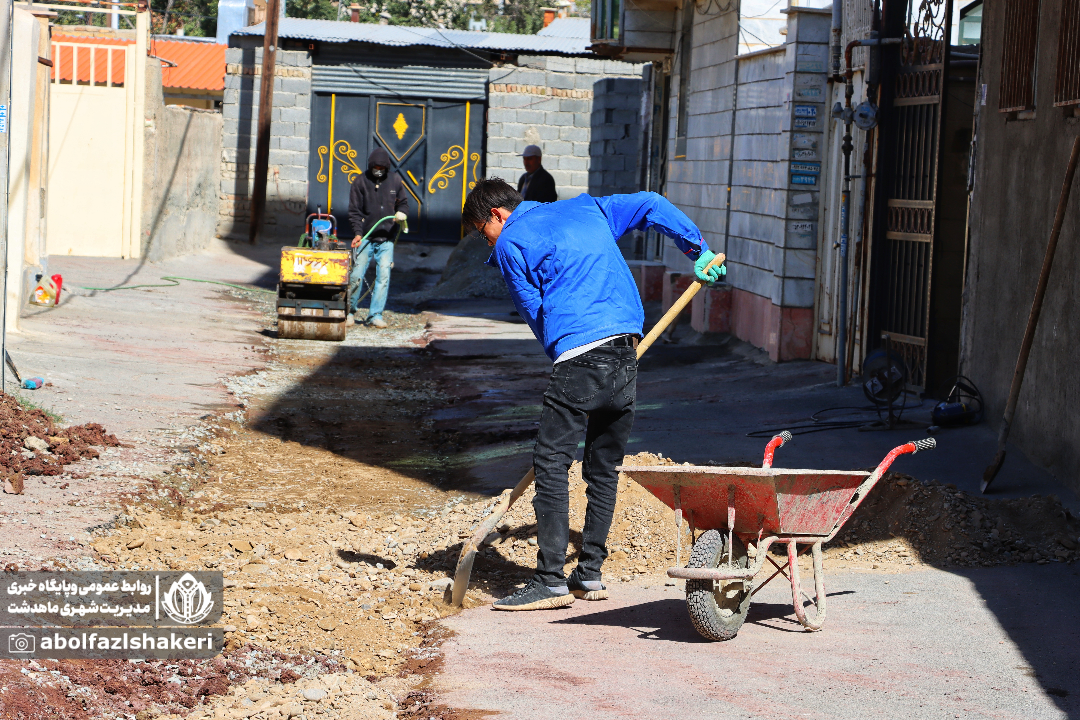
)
(593, 394)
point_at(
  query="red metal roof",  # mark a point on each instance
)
(199, 65)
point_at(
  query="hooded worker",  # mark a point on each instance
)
(568, 279)
(376, 194)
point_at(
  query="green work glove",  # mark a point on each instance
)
(711, 275)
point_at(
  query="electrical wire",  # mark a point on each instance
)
(818, 424)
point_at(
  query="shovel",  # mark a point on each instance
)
(468, 550)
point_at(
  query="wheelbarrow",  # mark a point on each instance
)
(741, 513)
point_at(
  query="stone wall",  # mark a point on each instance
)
(181, 174)
(286, 184)
(585, 114)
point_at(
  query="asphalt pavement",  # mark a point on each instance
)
(999, 643)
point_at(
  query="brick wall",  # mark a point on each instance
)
(286, 186)
(585, 115)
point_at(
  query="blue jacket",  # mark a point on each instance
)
(567, 276)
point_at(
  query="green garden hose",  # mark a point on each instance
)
(174, 280)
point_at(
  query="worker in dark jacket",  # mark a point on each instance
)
(375, 194)
(570, 283)
(537, 183)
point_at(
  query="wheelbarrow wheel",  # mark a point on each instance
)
(717, 608)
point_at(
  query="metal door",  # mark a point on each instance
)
(910, 148)
(428, 142)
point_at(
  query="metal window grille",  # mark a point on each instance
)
(1019, 44)
(1067, 79)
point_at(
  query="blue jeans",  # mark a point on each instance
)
(383, 254)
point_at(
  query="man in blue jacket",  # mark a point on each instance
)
(572, 286)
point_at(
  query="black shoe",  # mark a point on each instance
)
(586, 589)
(535, 596)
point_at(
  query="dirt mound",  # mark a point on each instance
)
(32, 444)
(465, 275)
(944, 526)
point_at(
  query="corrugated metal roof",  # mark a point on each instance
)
(62, 57)
(199, 65)
(401, 36)
(568, 27)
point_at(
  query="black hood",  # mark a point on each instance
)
(379, 156)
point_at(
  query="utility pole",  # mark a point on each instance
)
(266, 106)
(7, 11)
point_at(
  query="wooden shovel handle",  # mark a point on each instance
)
(469, 548)
(677, 307)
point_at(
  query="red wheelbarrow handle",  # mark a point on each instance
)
(863, 490)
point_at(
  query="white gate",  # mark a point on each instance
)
(95, 149)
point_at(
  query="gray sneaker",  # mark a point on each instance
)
(586, 589)
(535, 596)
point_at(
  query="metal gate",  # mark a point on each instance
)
(434, 145)
(910, 148)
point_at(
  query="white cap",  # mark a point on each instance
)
(531, 151)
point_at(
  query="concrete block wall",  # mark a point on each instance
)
(584, 113)
(286, 186)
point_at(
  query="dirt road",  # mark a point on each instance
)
(332, 483)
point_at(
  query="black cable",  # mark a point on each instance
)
(816, 424)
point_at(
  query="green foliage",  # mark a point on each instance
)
(518, 16)
(449, 14)
(315, 10)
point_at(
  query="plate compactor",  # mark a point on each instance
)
(313, 287)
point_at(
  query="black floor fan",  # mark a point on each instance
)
(885, 378)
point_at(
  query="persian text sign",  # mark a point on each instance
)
(94, 599)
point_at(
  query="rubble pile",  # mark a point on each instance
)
(76, 689)
(32, 444)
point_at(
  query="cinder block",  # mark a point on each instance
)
(502, 115)
(573, 163)
(501, 145)
(558, 147)
(549, 132)
(560, 64)
(560, 119)
(297, 144)
(230, 111)
(282, 128)
(586, 82)
(532, 116)
(574, 105)
(588, 65)
(294, 85)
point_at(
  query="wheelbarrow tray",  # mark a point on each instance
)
(776, 501)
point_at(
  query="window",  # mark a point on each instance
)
(1067, 80)
(685, 51)
(605, 19)
(970, 27)
(1019, 44)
